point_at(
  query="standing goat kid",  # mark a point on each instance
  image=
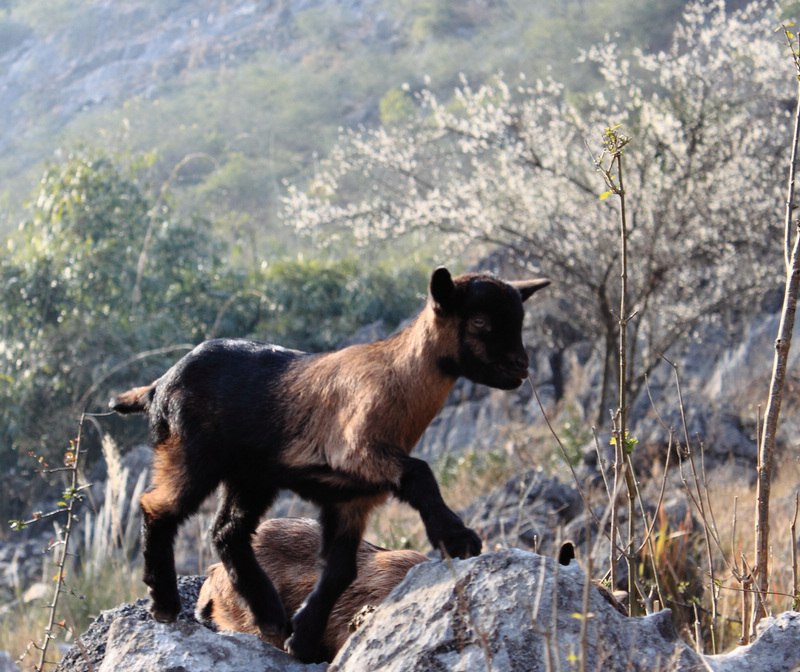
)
(336, 428)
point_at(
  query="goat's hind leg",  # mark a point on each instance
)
(172, 497)
(237, 519)
(158, 534)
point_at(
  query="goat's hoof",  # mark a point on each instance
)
(164, 615)
(464, 544)
(272, 630)
(166, 611)
(303, 651)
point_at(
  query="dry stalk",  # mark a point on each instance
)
(534, 616)
(601, 461)
(782, 346)
(795, 594)
(614, 144)
(747, 591)
(554, 618)
(77, 638)
(702, 505)
(71, 497)
(698, 633)
(575, 478)
(585, 615)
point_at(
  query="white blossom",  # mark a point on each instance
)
(512, 165)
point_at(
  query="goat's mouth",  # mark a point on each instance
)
(509, 377)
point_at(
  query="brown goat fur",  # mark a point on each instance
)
(337, 428)
(288, 551)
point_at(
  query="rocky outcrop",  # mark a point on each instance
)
(497, 611)
(127, 639)
(110, 51)
(507, 611)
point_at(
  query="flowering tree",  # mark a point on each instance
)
(511, 165)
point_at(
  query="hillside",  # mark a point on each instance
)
(260, 88)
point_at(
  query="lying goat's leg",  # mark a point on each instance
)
(236, 521)
(445, 529)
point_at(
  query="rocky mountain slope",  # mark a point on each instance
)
(109, 52)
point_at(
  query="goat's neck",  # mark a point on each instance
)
(415, 354)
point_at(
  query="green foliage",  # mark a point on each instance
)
(101, 271)
(314, 305)
(46, 15)
(432, 19)
(98, 272)
(396, 106)
(269, 115)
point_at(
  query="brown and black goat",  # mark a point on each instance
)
(288, 551)
(336, 428)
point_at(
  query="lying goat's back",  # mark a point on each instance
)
(288, 550)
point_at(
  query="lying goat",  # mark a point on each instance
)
(336, 428)
(288, 551)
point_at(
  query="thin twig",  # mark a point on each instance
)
(65, 537)
(795, 595)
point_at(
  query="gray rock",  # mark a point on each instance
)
(498, 609)
(526, 511)
(6, 662)
(89, 656)
(144, 645)
(777, 648)
(127, 639)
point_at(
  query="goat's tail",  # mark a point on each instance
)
(136, 400)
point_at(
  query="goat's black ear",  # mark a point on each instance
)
(443, 290)
(566, 553)
(528, 287)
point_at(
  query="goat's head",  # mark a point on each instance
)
(487, 315)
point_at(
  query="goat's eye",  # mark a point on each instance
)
(480, 323)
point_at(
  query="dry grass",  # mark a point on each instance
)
(88, 593)
(729, 491)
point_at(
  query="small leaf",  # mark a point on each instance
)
(605, 195)
(579, 616)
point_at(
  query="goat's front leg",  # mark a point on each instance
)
(445, 529)
(342, 528)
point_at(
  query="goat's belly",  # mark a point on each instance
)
(323, 485)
